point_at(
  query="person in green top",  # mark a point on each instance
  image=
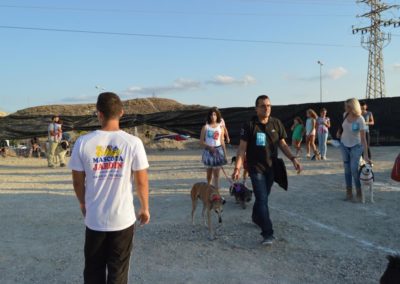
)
(298, 133)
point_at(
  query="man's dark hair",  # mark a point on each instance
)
(217, 112)
(109, 104)
(262, 97)
(363, 103)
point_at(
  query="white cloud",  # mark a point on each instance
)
(228, 80)
(396, 66)
(332, 74)
(181, 85)
(178, 85)
(336, 73)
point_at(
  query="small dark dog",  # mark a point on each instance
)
(64, 144)
(392, 273)
(241, 192)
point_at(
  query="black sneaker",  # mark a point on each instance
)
(268, 241)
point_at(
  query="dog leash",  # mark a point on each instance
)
(228, 178)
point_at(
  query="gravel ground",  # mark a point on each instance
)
(320, 237)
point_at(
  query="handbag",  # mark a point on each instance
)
(280, 173)
(396, 169)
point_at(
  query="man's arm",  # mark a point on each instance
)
(240, 156)
(286, 150)
(371, 120)
(78, 182)
(142, 190)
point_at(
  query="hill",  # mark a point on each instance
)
(135, 106)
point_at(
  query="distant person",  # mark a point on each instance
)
(35, 147)
(226, 133)
(260, 139)
(311, 130)
(105, 164)
(213, 141)
(323, 125)
(369, 121)
(298, 133)
(4, 145)
(54, 138)
(353, 144)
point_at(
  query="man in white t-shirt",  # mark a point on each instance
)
(104, 164)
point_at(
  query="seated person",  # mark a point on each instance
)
(35, 147)
(4, 145)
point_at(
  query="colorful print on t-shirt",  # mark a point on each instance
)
(107, 158)
(261, 139)
(213, 134)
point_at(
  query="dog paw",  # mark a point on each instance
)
(212, 238)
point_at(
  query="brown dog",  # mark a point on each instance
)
(212, 200)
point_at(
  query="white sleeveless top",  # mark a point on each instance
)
(213, 135)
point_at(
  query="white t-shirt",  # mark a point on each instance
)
(108, 159)
(213, 135)
(351, 132)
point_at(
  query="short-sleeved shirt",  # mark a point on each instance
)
(298, 132)
(351, 132)
(56, 128)
(322, 128)
(108, 159)
(367, 116)
(262, 143)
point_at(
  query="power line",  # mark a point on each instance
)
(125, 11)
(178, 37)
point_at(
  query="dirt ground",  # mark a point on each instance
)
(320, 237)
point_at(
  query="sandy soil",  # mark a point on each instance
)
(320, 237)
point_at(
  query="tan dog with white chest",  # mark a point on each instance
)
(212, 200)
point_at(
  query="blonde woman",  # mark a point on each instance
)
(353, 145)
(311, 124)
(212, 139)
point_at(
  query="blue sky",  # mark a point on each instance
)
(56, 67)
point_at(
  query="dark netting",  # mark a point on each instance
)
(385, 132)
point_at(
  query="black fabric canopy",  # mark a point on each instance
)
(386, 113)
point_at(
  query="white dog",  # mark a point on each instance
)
(367, 179)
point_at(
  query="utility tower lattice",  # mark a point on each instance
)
(374, 42)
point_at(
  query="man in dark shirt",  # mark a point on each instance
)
(260, 139)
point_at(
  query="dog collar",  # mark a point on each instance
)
(216, 198)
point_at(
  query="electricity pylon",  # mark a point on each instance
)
(374, 40)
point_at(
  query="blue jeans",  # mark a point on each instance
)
(262, 184)
(351, 161)
(322, 138)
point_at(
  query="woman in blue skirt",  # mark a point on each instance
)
(212, 140)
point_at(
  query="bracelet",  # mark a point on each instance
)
(292, 158)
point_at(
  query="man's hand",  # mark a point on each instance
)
(236, 174)
(144, 217)
(297, 165)
(83, 209)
